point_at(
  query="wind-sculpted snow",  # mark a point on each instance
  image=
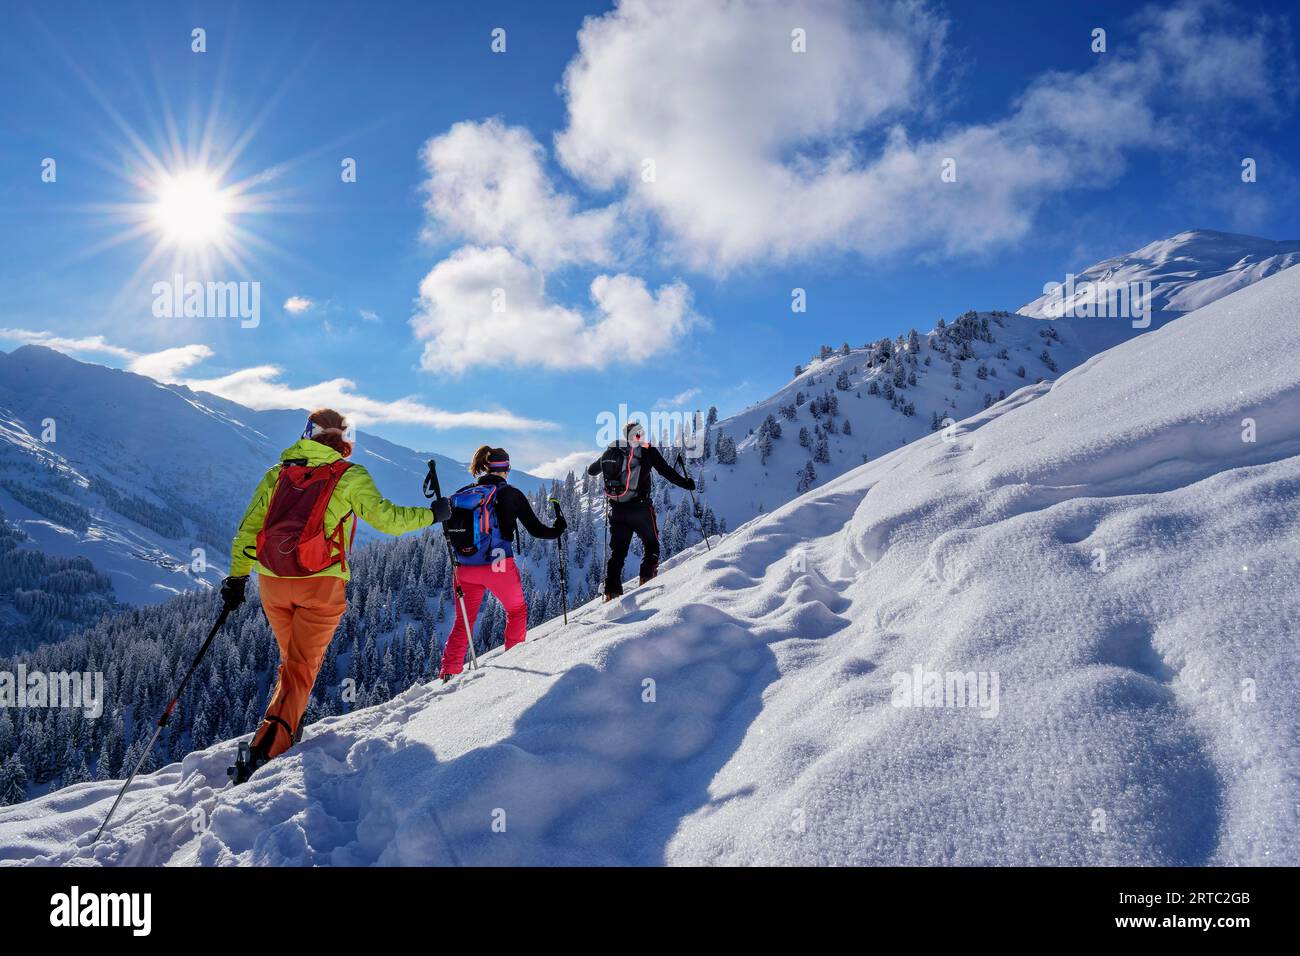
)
(1106, 557)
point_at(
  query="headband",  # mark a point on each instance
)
(312, 430)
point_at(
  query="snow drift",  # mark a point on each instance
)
(1116, 553)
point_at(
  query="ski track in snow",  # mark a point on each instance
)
(1123, 733)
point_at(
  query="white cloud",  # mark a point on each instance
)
(764, 154)
(681, 398)
(162, 366)
(487, 185)
(460, 328)
(297, 304)
(1204, 61)
(576, 461)
(368, 316)
(260, 388)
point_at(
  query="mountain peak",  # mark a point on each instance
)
(37, 351)
(1179, 274)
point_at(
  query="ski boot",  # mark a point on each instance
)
(246, 764)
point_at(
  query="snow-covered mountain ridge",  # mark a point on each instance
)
(1114, 552)
(858, 403)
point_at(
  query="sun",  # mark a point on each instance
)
(193, 203)
(191, 209)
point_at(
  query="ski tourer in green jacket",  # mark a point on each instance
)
(355, 493)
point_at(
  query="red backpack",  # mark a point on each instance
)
(293, 542)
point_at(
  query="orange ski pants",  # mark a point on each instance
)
(304, 613)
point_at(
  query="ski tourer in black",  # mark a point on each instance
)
(626, 468)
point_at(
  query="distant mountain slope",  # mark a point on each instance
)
(1060, 634)
(913, 380)
(140, 474)
(1185, 272)
(43, 597)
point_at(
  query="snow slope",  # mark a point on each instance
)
(1107, 545)
(185, 462)
(1186, 272)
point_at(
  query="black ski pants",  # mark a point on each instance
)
(625, 520)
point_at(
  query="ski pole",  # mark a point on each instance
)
(166, 716)
(431, 487)
(464, 615)
(695, 505)
(564, 574)
(434, 490)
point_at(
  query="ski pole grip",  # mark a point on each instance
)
(431, 481)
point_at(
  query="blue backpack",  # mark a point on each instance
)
(473, 528)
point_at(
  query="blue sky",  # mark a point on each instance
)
(772, 172)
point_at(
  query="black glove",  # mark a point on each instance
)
(232, 592)
(560, 524)
(441, 509)
(690, 483)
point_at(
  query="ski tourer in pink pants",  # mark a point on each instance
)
(491, 466)
(506, 587)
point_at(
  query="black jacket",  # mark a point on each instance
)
(512, 505)
(651, 460)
